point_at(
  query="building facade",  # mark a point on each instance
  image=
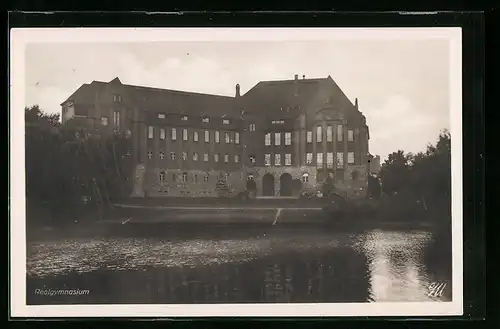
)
(281, 138)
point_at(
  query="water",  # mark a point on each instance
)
(236, 266)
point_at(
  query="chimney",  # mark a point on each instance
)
(356, 103)
(296, 85)
(237, 90)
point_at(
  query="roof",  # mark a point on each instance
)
(176, 101)
(284, 98)
(156, 99)
(290, 95)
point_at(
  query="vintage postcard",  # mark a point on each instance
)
(236, 172)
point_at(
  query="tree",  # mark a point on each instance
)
(328, 187)
(394, 174)
(222, 185)
(65, 163)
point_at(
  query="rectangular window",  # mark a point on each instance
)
(319, 159)
(226, 158)
(329, 134)
(288, 138)
(184, 118)
(184, 156)
(162, 155)
(184, 134)
(350, 157)
(309, 136)
(268, 139)
(161, 115)
(309, 158)
(104, 121)
(205, 157)
(172, 155)
(237, 137)
(195, 156)
(340, 159)
(319, 134)
(267, 160)
(277, 159)
(329, 160)
(162, 133)
(350, 135)
(340, 133)
(207, 136)
(206, 177)
(205, 120)
(225, 121)
(288, 159)
(195, 136)
(216, 157)
(150, 155)
(252, 158)
(150, 132)
(217, 137)
(252, 127)
(236, 158)
(116, 118)
(277, 139)
(226, 138)
(174, 134)
(117, 98)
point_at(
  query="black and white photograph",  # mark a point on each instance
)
(236, 172)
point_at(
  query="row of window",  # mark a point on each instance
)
(116, 119)
(277, 139)
(329, 134)
(228, 136)
(195, 156)
(277, 159)
(184, 177)
(329, 159)
(186, 118)
(287, 160)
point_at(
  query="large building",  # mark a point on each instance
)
(281, 138)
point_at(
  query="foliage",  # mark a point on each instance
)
(65, 163)
(222, 185)
(328, 187)
(424, 177)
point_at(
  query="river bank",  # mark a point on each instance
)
(147, 215)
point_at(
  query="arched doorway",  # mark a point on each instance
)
(286, 185)
(268, 185)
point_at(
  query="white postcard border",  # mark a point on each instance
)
(21, 37)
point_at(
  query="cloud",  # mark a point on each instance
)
(398, 125)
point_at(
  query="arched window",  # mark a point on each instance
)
(305, 177)
(207, 175)
(162, 176)
(355, 175)
(184, 177)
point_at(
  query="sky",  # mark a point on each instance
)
(402, 85)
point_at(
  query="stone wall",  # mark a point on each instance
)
(197, 185)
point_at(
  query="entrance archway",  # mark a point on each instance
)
(286, 185)
(268, 185)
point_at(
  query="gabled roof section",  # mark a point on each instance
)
(283, 95)
(115, 81)
(183, 102)
(85, 94)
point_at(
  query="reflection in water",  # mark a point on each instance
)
(292, 267)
